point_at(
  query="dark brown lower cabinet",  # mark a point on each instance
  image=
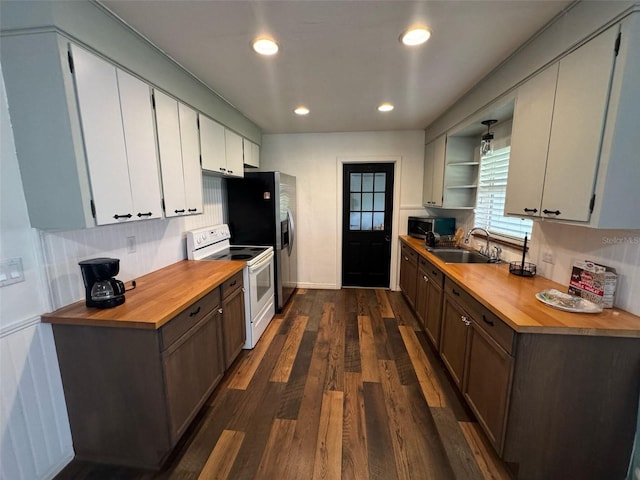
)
(233, 318)
(429, 299)
(408, 273)
(131, 393)
(454, 339)
(487, 383)
(192, 366)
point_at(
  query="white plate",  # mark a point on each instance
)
(566, 302)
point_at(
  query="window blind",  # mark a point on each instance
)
(492, 187)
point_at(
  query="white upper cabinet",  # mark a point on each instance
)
(251, 153)
(584, 78)
(221, 149)
(140, 142)
(235, 160)
(117, 126)
(433, 181)
(530, 143)
(191, 167)
(179, 156)
(564, 133)
(212, 146)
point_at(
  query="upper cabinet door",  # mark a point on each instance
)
(140, 140)
(582, 93)
(212, 146)
(99, 105)
(439, 157)
(530, 143)
(168, 125)
(251, 153)
(190, 145)
(235, 159)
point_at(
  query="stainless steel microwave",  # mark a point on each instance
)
(419, 226)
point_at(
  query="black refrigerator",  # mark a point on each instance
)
(262, 211)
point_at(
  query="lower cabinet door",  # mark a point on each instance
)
(487, 384)
(422, 297)
(193, 366)
(454, 337)
(433, 313)
(234, 327)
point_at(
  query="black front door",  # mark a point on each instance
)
(367, 205)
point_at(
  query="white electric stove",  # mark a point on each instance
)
(212, 243)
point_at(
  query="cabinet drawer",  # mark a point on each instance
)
(432, 272)
(231, 285)
(191, 315)
(409, 254)
(489, 322)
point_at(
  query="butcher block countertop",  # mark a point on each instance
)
(158, 297)
(512, 299)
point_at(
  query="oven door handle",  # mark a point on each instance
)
(257, 266)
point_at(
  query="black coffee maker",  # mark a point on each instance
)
(101, 289)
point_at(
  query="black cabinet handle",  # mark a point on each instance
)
(179, 211)
(148, 214)
(434, 272)
(116, 216)
(230, 171)
(233, 283)
(455, 292)
(223, 169)
(192, 210)
(550, 212)
(532, 210)
(195, 312)
(487, 321)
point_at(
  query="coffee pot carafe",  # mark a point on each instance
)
(101, 289)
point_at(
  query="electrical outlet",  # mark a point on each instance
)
(131, 244)
(547, 257)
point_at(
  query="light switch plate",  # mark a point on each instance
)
(11, 271)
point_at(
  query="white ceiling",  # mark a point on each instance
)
(340, 58)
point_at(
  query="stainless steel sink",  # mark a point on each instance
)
(459, 255)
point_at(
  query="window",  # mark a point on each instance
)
(366, 211)
(492, 187)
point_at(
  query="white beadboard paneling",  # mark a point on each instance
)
(159, 243)
(36, 442)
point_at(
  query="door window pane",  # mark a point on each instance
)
(356, 182)
(355, 202)
(367, 221)
(367, 182)
(367, 201)
(378, 203)
(380, 181)
(378, 220)
(354, 221)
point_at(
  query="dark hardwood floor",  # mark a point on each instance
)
(343, 385)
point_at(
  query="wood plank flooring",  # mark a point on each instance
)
(343, 385)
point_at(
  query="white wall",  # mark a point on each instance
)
(314, 160)
(35, 441)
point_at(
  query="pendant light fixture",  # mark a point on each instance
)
(486, 145)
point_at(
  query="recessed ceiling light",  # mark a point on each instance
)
(385, 107)
(265, 46)
(301, 110)
(415, 36)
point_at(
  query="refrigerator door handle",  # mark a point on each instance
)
(292, 231)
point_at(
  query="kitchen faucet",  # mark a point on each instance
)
(486, 250)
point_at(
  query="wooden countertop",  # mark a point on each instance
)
(512, 299)
(158, 297)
